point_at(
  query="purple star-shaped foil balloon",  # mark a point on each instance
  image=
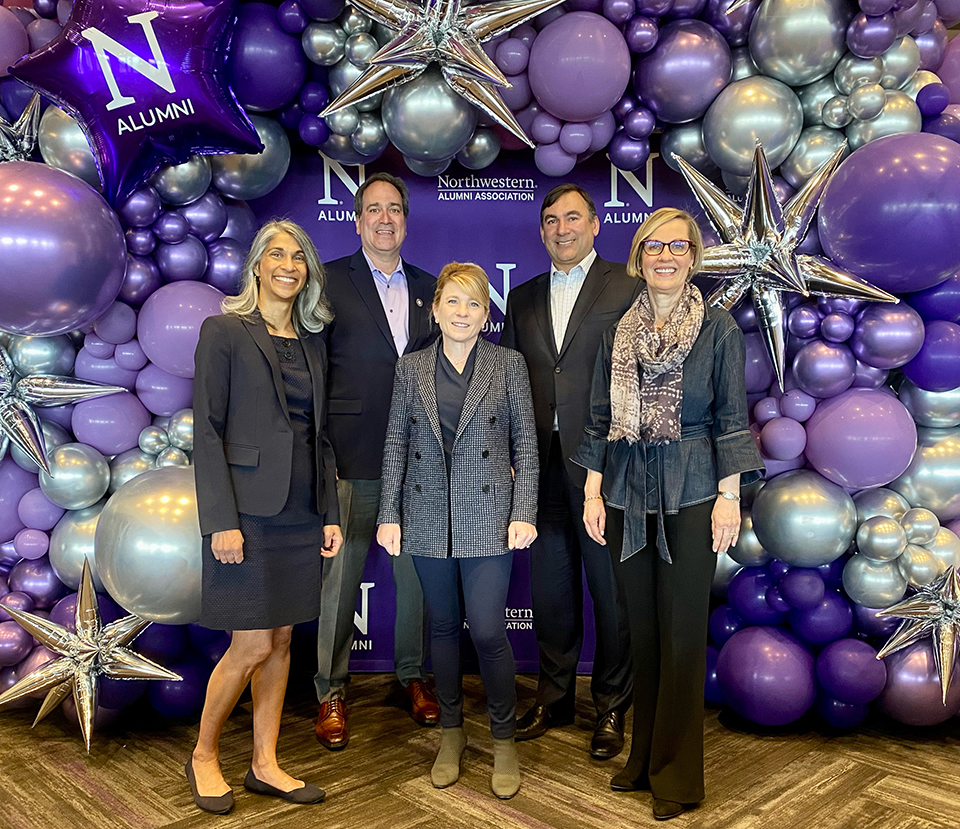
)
(146, 79)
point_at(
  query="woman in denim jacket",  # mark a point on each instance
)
(667, 447)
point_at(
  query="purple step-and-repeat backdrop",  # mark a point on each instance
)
(490, 217)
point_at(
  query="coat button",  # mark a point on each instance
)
(493, 420)
(557, 370)
(417, 456)
(486, 487)
(485, 453)
(417, 487)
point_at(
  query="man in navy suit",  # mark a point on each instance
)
(382, 310)
(556, 320)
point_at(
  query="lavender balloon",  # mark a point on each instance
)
(105, 371)
(15, 642)
(37, 511)
(783, 439)
(16, 600)
(110, 424)
(169, 324)
(887, 336)
(117, 325)
(824, 369)
(14, 484)
(37, 579)
(163, 393)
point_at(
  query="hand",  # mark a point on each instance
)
(520, 535)
(725, 523)
(388, 537)
(332, 539)
(227, 546)
(595, 519)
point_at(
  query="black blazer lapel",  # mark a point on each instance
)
(420, 291)
(426, 368)
(541, 307)
(313, 349)
(258, 330)
(362, 279)
(479, 384)
(593, 285)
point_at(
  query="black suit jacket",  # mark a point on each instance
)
(363, 359)
(561, 381)
(243, 440)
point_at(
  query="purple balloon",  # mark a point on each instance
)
(575, 138)
(110, 424)
(184, 261)
(206, 217)
(553, 160)
(641, 34)
(777, 569)
(512, 55)
(837, 327)
(225, 258)
(937, 365)
(906, 15)
(887, 336)
(824, 369)
(130, 356)
(14, 484)
(802, 588)
(313, 129)
(776, 601)
(868, 37)
(933, 99)
(291, 17)
(946, 125)
(861, 438)
(163, 393)
(912, 694)
(313, 98)
(41, 32)
(831, 619)
(766, 409)
(766, 675)
(685, 71)
(869, 623)
(64, 612)
(322, 9)
(627, 153)
(62, 254)
(941, 302)
(864, 215)
(579, 66)
(602, 129)
(8, 678)
(14, 42)
(545, 128)
(188, 109)
(734, 26)
(97, 347)
(31, 544)
(759, 369)
(289, 116)
(848, 670)
(933, 46)
(163, 643)
(185, 698)
(37, 579)
(654, 8)
(18, 601)
(875, 8)
(869, 377)
(242, 224)
(712, 695)
(724, 622)
(117, 325)
(618, 11)
(140, 241)
(832, 572)
(141, 279)
(798, 405)
(516, 98)
(37, 511)
(171, 228)
(141, 208)
(783, 439)
(15, 642)
(106, 371)
(266, 66)
(747, 594)
(639, 124)
(840, 715)
(169, 324)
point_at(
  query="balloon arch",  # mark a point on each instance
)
(166, 131)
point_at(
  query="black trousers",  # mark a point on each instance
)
(558, 558)
(668, 607)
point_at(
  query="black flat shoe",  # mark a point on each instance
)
(623, 782)
(538, 720)
(607, 739)
(308, 793)
(666, 809)
(219, 805)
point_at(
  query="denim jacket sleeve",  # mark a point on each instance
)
(592, 452)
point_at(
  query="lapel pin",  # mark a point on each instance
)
(419, 303)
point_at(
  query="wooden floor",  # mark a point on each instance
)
(883, 777)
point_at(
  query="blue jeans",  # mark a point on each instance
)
(485, 581)
(342, 574)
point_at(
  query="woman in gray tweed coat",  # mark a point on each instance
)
(459, 493)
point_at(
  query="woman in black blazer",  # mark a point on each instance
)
(461, 415)
(266, 493)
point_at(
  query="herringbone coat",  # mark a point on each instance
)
(476, 504)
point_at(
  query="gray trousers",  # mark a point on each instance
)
(342, 575)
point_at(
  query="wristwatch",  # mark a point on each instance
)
(729, 496)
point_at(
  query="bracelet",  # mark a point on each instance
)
(729, 496)
(592, 498)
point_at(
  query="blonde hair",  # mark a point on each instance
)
(650, 224)
(472, 278)
(311, 310)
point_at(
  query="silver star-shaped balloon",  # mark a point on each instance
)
(934, 610)
(93, 651)
(450, 35)
(18, 422)
(18, 140)
(759, 254)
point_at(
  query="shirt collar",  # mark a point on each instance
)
(584, 264)
(377, 273)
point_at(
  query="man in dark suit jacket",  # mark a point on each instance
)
(556, 320)
(382, 310)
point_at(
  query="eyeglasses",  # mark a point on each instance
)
(654, 247)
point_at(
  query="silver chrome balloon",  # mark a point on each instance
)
(799, 41)
(72, 541)
(481, 150)
(183, 183)
(323, 43)
(742, 64)
(370, 138)
(747, 112)
(873, 583)
(252, 175)
(149, 546)
(900, 62)
(852, 71)
(54, 435)
(344, 121)
(940, 409)
(427, 169)
(803, 519)
(813, 149)
(881, 538)
(360, 47)
(900, 114)
(127, 465)
(426, 120)
(153, 440)
(920, 79)
(42, 355)
(918, 565)
(933, 478)
(835, 114)
(180, 430)
(686, 141)
(171, 456)
(866, 101)
(812, 98)
(79, 476)
(880, 501)
(727, 568)
(920, 525)
(748, 551)
(340, 148)
(945, 548)
(353, 21)
(64, 146)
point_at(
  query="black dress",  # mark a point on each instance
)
(278, 581)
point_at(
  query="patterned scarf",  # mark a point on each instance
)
(653, 415)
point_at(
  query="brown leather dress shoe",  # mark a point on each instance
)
(423, 703)
(332, 730)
